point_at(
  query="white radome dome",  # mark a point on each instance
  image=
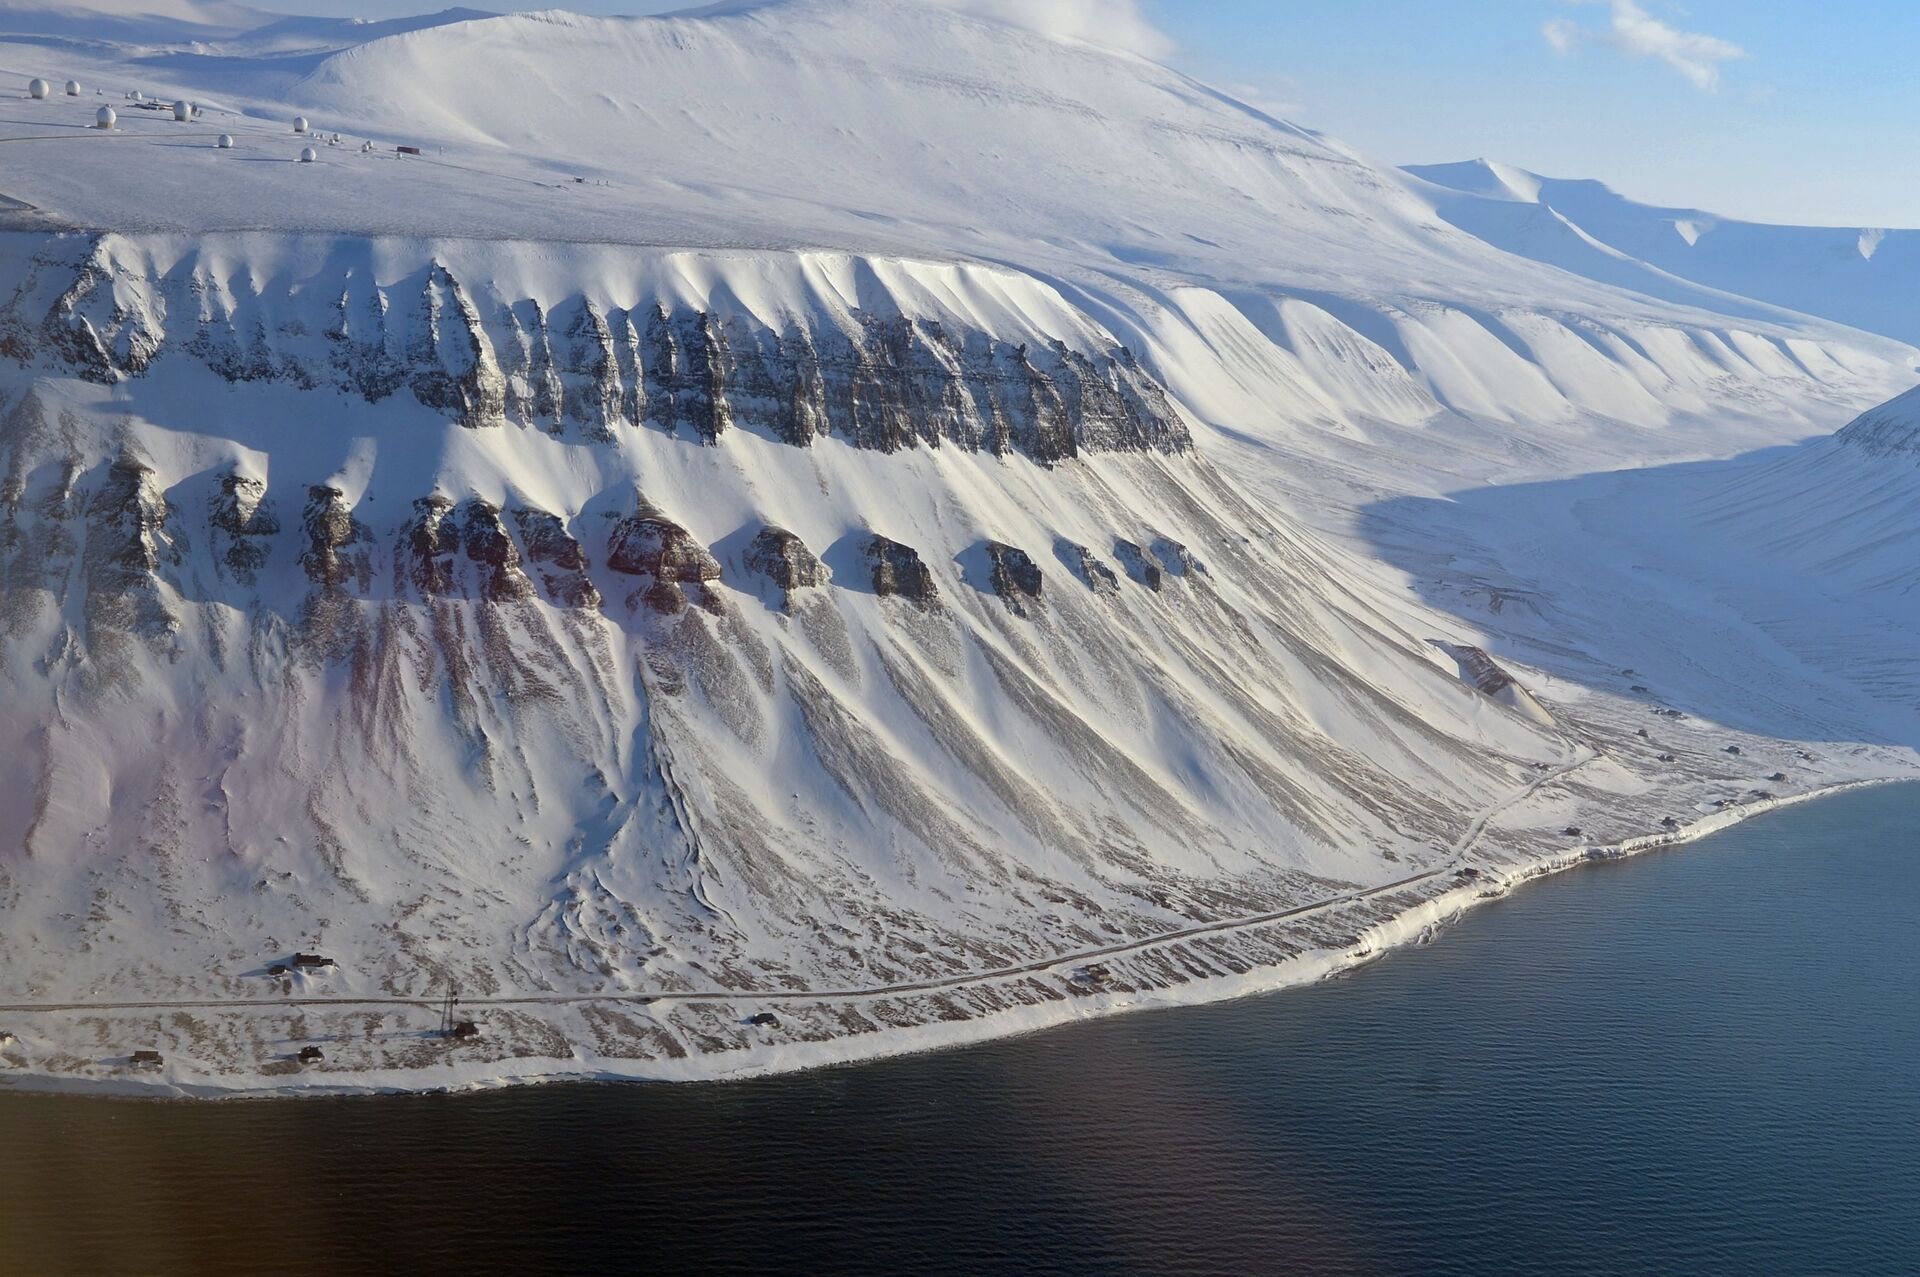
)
(38, 88)
(182, 112)
(226, 142)
(138, 96)
(299, 124)
(105, 118)
(308, 155)
(73, 88)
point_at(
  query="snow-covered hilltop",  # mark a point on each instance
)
(794, 531)
(1864, 276)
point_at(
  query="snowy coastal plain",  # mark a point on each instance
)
(820, 528)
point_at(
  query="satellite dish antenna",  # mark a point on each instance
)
(104, 118)
(38, 88)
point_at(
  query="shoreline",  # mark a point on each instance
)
(1409, 926)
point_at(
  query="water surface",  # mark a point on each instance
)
(1698, 1061)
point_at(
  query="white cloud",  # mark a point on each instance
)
(1635, 32)
(1118, 24)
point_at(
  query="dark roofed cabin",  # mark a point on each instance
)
(765, 1020)
(311, 1055)
(142, 1059)
(312, 961)
(464, 1029)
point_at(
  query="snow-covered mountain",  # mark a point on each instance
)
(843, 511)
(1863, 276)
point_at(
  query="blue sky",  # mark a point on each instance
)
(1785, 110)
(1817, 121)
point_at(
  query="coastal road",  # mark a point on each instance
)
(1456, 855)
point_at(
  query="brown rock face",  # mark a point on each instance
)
(243, 525)
(784, 559)
(128, 545)
(329, 558)
(648, 544)
(557, 558)
(1016, 577)
(1087, 566)
(897, 570)
(486, 543)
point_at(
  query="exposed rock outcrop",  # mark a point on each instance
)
(897, 570)
(243, 526)
(579, 368)
(784, 559)
(486, 543)
(337, 544)
(558, 558)
(128, 544)
(1016, 577)
(1086, 565)
(647, 544)
(1175, 557)
(1140, 567)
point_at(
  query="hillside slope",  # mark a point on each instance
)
(1862, 276)
(827, 505)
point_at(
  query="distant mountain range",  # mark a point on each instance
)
(1864, 276)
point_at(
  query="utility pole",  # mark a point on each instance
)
(451, 1001)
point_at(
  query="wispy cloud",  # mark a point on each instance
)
(1635, 32)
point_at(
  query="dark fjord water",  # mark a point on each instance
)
(1700, 1061)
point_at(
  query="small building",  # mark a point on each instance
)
(764, 1020)
(1778, 778)
(463, 1029)
(145, 1059)
(311, 1055)
(278, 968)
(1666, 758)
(1733, 749)
(312, 961)
(407, 150)
(1572, 831)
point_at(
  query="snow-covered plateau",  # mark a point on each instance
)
(818, 528)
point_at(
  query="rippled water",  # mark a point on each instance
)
(1699, 1061)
